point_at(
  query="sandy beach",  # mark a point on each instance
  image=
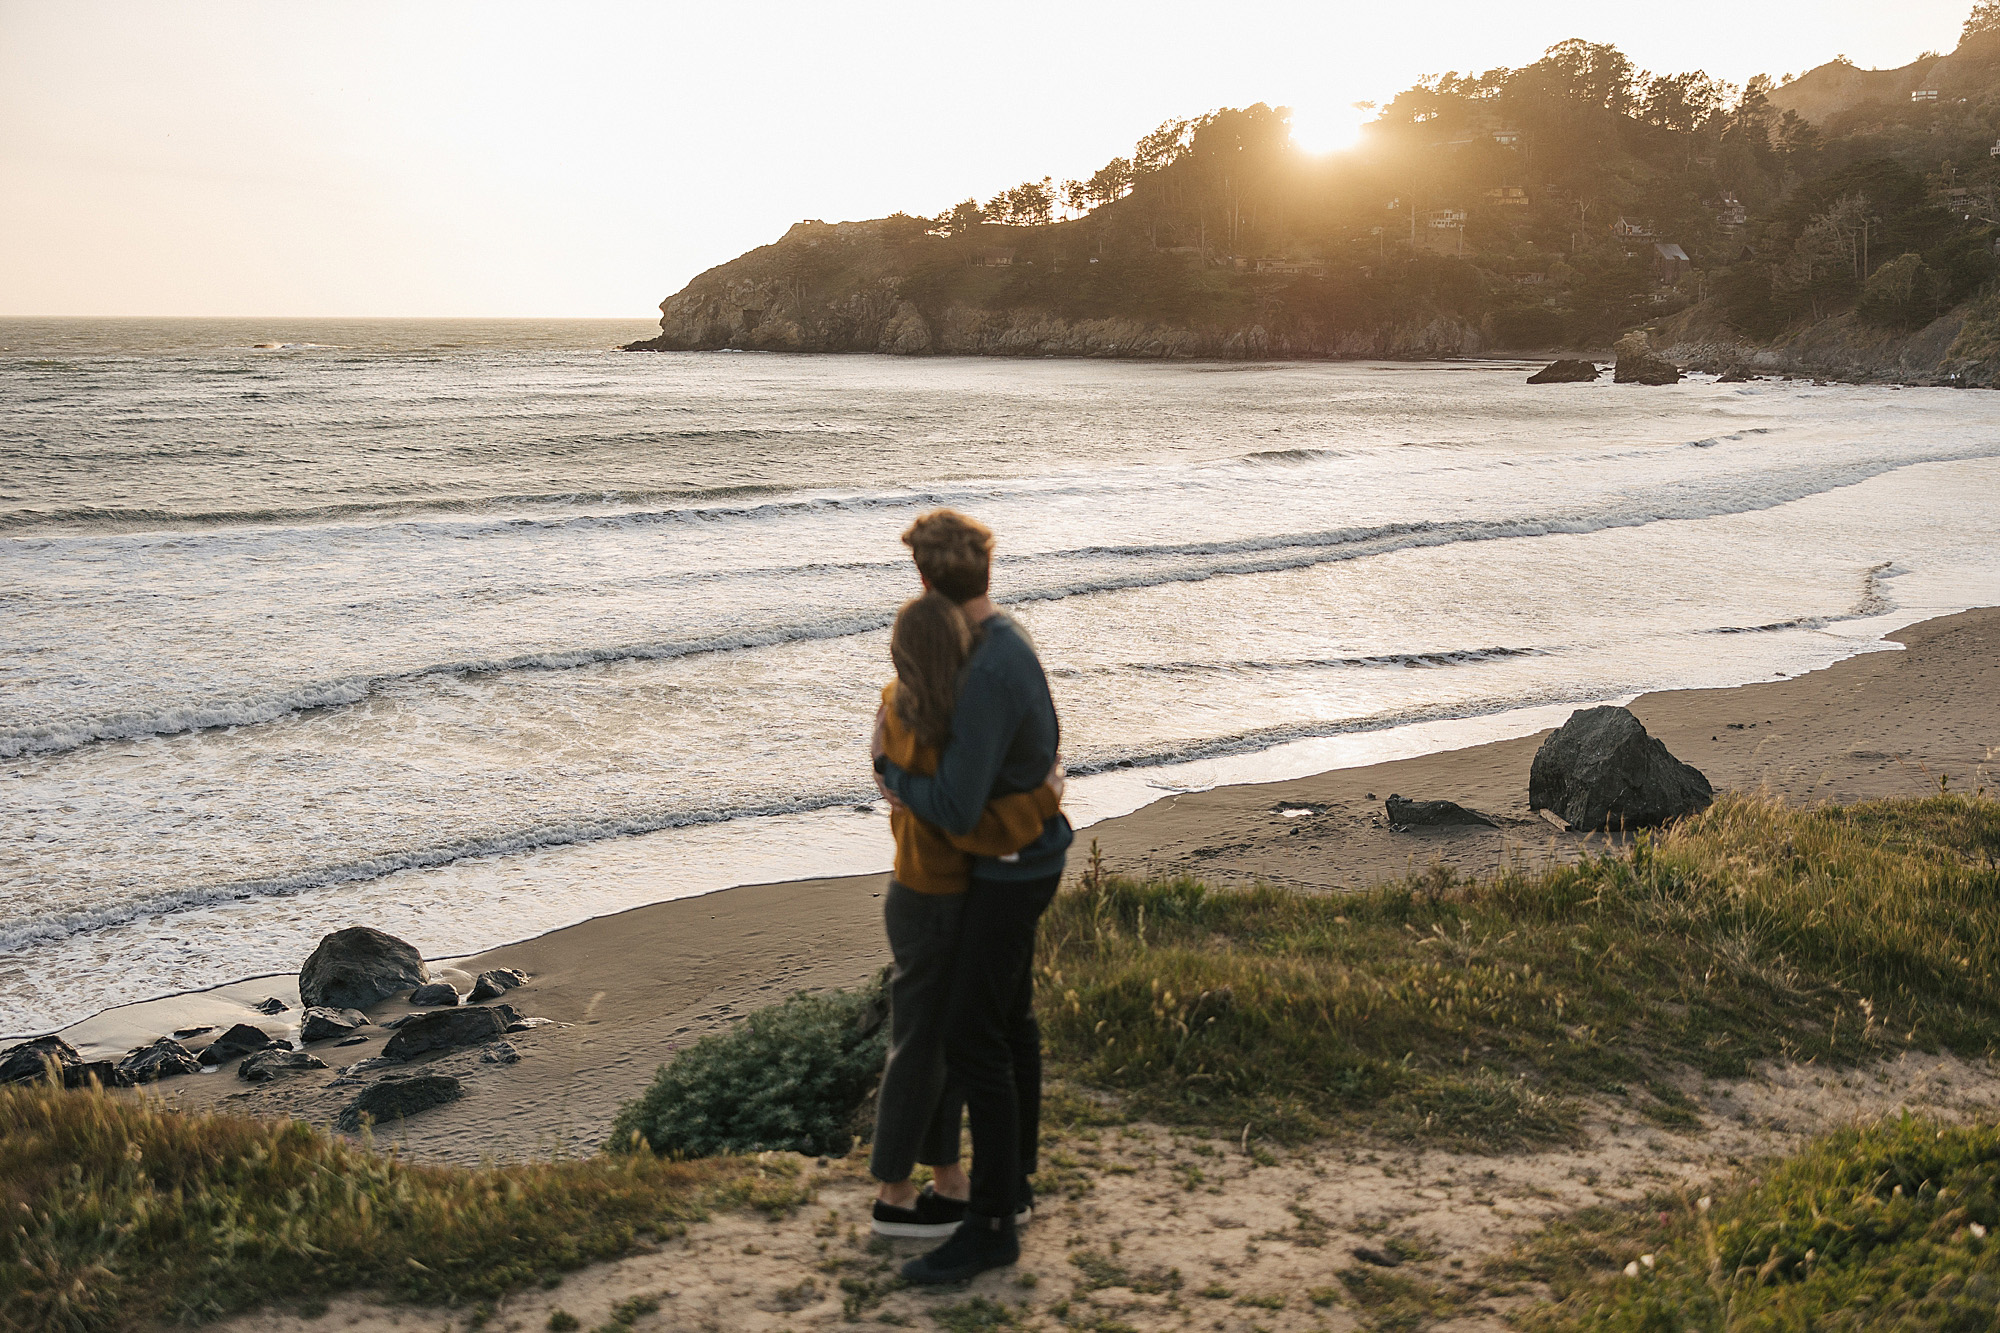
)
(626, 990)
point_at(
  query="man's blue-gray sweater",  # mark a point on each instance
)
(1004, 739)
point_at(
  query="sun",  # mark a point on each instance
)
(1327, 129)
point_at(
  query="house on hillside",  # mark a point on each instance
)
(1670, 263)
(1630, 229)
(1506, 136)
(1994, 151)
(1926, 95)
(1730, 213)
(993, 256)
(1508, 196)
(1444, 231)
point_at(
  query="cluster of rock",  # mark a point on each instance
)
(1600, 770)
(348, 972)
(1639, 364)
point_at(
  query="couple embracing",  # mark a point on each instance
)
(965, 749)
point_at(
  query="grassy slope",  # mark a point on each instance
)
(1468, 1013)
(120, 1214)
(1884, 1228)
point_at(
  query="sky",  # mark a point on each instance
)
(589, 157)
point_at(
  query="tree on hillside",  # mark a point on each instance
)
(962, 217)
(1029, 204)
(1984, 18)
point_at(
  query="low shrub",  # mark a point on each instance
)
(793, 1077)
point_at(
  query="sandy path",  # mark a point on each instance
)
(1158, 1230)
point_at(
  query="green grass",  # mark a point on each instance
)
(1470, 1014)
(1865, 1229)
(120, 1214)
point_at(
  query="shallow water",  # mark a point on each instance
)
(453, 626)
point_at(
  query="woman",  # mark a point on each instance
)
(916, 1116)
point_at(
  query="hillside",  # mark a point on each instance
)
(1555, 205)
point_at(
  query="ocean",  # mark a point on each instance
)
(469, 630)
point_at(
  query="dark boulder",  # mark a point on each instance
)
(267, 1065)
(472, 1025)
(1638, 365)
(493, 984)
(1601, 770)
(395, 1098)
(357, 967)
(1565, 372)
(322, 1024)
(1736, 374)
(271, 1004)
(435, 994)
(239, 1040)
(102, 1072)
(1432, 814)
(500, 1053)
(29, 1062)
(162, 1059)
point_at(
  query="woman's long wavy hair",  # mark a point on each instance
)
(929, 645)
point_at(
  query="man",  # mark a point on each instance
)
(1004, 739)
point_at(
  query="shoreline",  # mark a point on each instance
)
(627, 988)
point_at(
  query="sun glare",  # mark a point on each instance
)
(1326, 129)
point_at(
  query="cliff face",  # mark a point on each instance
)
(1960, 349)
(885, 286)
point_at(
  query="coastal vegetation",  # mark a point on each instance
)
(1557, 204)
(1473, 1013)
(122, 1214)
(1436, 1011)
(1889, 1226)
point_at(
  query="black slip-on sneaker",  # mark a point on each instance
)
(933, 1216)
(980, 1243)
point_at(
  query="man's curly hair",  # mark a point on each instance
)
(953, 553)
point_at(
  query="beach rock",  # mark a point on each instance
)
(107, 1075)
(184, 1033)
(529, 1024)
(352, 1041)
(395, 1098)
(270, 1004)
(440, 1031)
(500, 1053)
(491, 985)
(1601, 770)
(1432, 814)
(1565, 372)
(436, 993)
(1736, 374)
(240, 1040)
(1637, 363)
(369, 1066)
(321, 1024)
(162, 1059)
(358, 967)
(267, 1065)
(29, 1062)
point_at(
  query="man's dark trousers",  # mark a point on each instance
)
(993, 1045)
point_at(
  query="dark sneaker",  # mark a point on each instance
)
(933, 1216)
(979, 1243)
